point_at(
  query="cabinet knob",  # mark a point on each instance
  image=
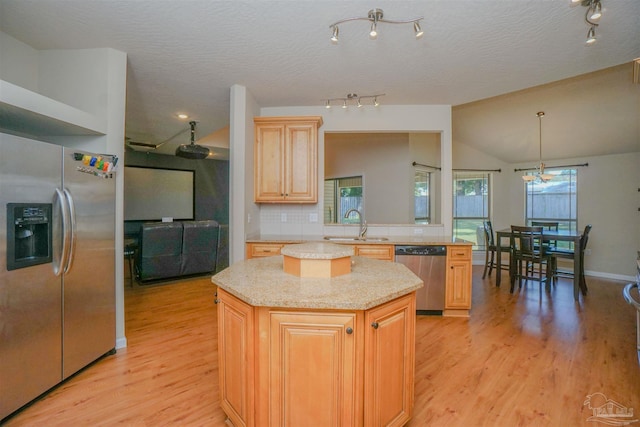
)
(375, 325)
(216, 301)
(349, 330)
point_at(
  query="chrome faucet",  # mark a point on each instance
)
(363, 223)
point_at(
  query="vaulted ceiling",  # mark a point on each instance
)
(183, 56)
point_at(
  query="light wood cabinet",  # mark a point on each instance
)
(256, 250)
(235, 351)
(311, 372)
(286, 159)
(383, 252)
(316, 367)
(458, 281)
(389, 363)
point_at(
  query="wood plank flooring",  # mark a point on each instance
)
(528, 359)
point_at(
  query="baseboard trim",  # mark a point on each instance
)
(121, 343)
(600, 274)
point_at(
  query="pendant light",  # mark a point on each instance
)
(539, 175)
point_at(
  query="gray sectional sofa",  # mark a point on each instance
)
(172, 249)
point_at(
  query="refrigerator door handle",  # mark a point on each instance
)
(72, 229)
(60, 255)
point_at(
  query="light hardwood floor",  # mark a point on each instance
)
(528, 359)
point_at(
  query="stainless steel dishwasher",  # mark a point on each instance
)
(428, 263)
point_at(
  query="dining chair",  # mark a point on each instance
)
(531, 261)
(552, 226)
(490, 251)
(556, 253)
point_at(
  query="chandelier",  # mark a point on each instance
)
(376, 16)
(539, 174)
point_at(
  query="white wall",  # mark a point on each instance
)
(243, 213)
(383, 160)
(19, 64)
(386, 118)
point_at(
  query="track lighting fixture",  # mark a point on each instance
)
(375, 16)
(355, 98)
(594, 13)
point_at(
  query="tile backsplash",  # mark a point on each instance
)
(305, 220)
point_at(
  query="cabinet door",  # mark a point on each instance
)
(458, 291)
(389, 362)
(235, 358)
(269, 162)
(301, 168)
(312, 369)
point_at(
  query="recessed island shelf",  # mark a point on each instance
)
(316, 350)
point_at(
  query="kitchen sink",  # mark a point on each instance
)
(341, 239)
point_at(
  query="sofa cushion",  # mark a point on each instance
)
(160, 252)
(199, 246)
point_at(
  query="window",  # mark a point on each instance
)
(340, 195)
(422, 205)
(470, 206)
(554, 200)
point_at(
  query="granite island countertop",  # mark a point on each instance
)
(262, 282)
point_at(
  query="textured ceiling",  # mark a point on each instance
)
(183, 56)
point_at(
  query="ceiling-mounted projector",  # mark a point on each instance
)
(192, 151)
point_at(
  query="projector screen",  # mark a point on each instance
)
(153, 194)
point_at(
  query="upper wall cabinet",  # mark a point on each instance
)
(286, 159)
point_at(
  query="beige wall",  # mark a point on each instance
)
(608, 199)
(383, 160)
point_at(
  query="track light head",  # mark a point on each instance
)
(373, 34)
(591, 36)
(417, 29)
(596, 10)
(334, 37)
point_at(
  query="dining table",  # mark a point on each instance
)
(560, 235)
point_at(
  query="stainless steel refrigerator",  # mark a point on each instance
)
(57, 265)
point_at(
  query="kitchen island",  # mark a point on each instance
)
(316, 351)
(458, 261)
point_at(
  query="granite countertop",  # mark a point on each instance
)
(262, 282)
(317, 250)
(390, 240)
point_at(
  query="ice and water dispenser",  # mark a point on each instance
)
(28, 234)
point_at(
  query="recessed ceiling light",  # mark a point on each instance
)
(182, 116)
